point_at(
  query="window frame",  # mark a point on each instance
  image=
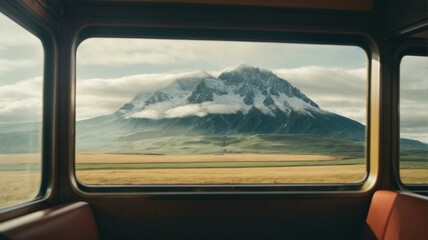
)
(410, 47)
(359, 40)
(31, 23)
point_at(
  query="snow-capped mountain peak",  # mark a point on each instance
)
(244, 100)
(244, 87)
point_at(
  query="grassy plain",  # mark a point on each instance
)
(270, 175)
(17, 187)
(216, 169)
(232, 157)
(414, 176)
(296, 144)
(255, 159)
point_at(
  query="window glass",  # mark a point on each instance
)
(153, 111)
(414, 120)
(21, 69)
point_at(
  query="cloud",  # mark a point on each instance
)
(21, 53)
(21, 101)
(338, 90)
(98, 96)
(7, 65)
(414, 98)
(163, 55)
(160, 110)
(176, 54)
(119, 52)
(28, 88)
(148, 114)
(14, 35)
(201, 110)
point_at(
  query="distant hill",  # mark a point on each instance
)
(410, 143)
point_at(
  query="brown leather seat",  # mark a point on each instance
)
(397, 216)
(67, 221)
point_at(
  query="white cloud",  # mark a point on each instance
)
(128, 86)
(414, 98)
(184, 55)
(338, 90)
(186, 110)
(7, 65)
(161, 110)
(98, 96)
(324, 79)
(176, 54)
(154, 111)
(14, 35)
(22, 100)
(201, 110)
(21, 53)
(27, 88)
(119, 52)
(149, 114)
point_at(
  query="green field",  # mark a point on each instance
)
(220, 144)
(193, 165)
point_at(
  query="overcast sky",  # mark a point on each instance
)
(414, 98)
(21, 68)
(110, 72)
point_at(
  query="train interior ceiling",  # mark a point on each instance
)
(236, 153)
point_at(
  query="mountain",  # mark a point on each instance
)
(20, 137)
(406, 143)
(245, 100)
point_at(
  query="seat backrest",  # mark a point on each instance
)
(394, 215)
(67, 221)
(379, 211)
(408, 218)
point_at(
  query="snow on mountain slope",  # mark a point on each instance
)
(235, 91)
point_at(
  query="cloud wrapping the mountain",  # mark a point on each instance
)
(201, 110)
(99, 96)
(148, 114)
(160, 110)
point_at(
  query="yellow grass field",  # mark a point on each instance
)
(20, 158)
(414, 176)
(292, 175)
(20, 186)
(328, 174)
(245, 157)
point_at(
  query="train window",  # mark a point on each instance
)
(413, 120)
(21, 86)
(157, 111)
